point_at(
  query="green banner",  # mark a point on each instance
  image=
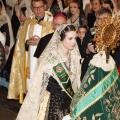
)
(64, 79)
(93, 95)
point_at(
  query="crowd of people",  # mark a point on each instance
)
(49, 59)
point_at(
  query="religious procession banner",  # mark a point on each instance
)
(98, 97)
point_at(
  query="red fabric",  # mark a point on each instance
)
(119, 69)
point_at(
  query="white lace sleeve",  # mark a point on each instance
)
(2, 39)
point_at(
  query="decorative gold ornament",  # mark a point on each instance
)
(107, 35)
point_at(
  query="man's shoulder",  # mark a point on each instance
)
(48, 35)
(48, 16)
(46, 38)
(30, 21)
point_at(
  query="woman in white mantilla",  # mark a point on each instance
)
(56, 79)
(5, 27)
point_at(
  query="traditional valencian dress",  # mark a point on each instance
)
(53, 84)
(24, 64)
(99, 95)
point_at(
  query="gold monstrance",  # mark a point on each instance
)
(107, 35)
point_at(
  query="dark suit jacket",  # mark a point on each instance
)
(87, 57)
(91, 19)
(116, 56)
(42, 44)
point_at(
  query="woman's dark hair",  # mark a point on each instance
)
(68, 28)
(83, 26)
(23, 9)
(0, 4)
(109, 2)
(81, 14)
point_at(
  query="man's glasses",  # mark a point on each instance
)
(38, 8)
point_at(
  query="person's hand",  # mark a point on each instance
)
(91, 48)
(33, 40)
(6, 50)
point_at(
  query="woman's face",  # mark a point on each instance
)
(22, 18)
(69, 41)
(81, 33)
(96, 5)
(74, 8)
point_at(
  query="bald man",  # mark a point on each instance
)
(58, 20)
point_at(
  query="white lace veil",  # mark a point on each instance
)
(44, 64)
(28, 6)
(53, 46)
(3, 12)
(55, 41)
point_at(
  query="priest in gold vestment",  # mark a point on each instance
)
(24, 64)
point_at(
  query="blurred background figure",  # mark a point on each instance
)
(2, 59)
(87, 7)
(96, 5)
(82, 29)
(15, 14)
(108, 4)
(53, 6)
(7, 34)
(116, 4)
(67, 4)
(10, 64)
(6, 29)
(76, 14)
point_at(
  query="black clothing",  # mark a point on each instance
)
(87, 57)
(39, 19)
(91, 19)
(4, 28)
(9, 60)
(7, 67)
(59, 101)
(42, 44)
(116, 56)
(15, 24)
(2, 58)
(4, 2)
